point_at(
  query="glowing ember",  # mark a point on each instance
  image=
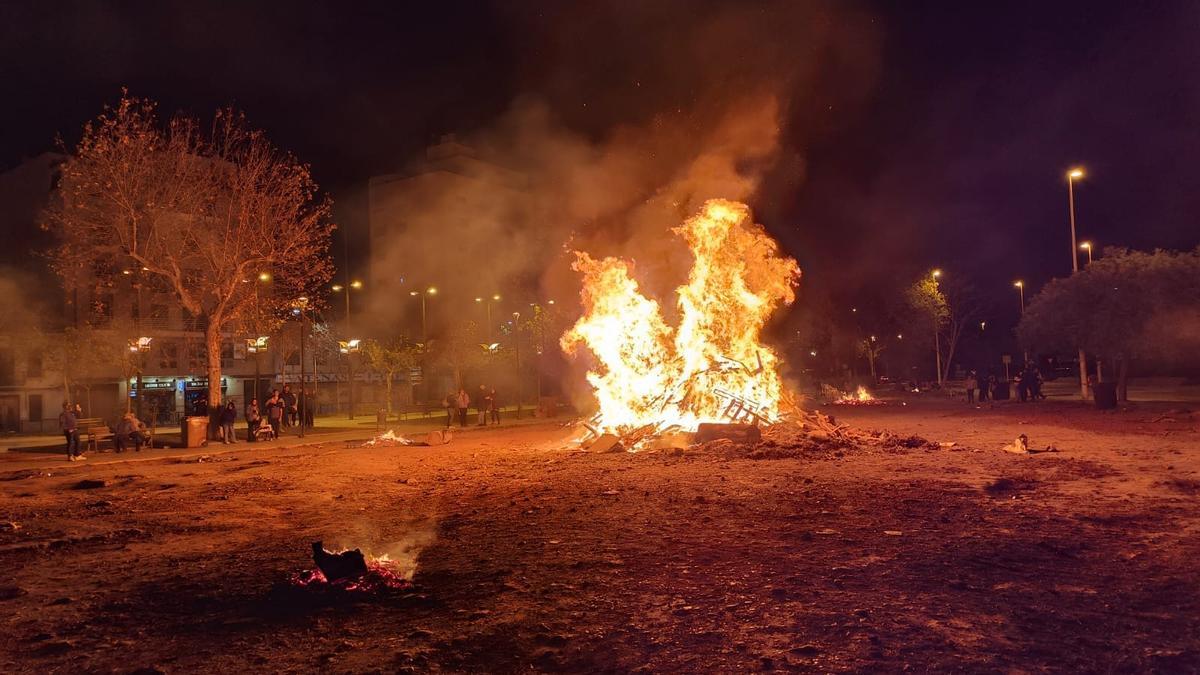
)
(382, 574)
(387, 438)
(709, 368)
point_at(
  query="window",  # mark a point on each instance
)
(168, 354)
(33, 365)
(7, 369)
(35, 408)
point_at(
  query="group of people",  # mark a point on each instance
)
(1028, 383)
(486, 404)
(281, 411)
(129, 431)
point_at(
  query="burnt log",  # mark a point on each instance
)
(342, 566)
(739, 433)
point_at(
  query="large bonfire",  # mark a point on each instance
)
(653, 377)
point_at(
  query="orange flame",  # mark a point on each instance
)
(649, 373)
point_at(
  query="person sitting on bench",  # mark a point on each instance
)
(129, 430)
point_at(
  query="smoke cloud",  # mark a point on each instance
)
(633, 115)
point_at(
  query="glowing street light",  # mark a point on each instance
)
(488, 302)
(1073, 175)
(256, 346)
(339, 288)
(428, 291)
(937, 339)
(1020, 286)
(1087, 246)
(264, 277)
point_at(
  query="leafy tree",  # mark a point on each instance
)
(389, 357)
(870, 348)
(945, 308)
(211, 215)
(1127, 305)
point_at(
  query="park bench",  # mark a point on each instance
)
(422, 409)
(97, 432)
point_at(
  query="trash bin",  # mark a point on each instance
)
(1001, 392)
(193, 431)
(1105, 394)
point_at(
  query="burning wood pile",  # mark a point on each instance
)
(653, 379)
(390, 439)
(707, 379)
(350, 571)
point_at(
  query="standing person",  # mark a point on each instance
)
(464, 401)
(972, 384)
(228, 417)
(481, 404)
(69, 423)
(450, 403)
(984, 388)
(494, 403)
(309, 410)
(1022, 387)
(289, 406)
(275, 412)
(253, 420)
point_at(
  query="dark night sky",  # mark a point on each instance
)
(954, 155)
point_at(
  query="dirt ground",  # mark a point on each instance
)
(532, 556)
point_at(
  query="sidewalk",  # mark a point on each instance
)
(328, 430)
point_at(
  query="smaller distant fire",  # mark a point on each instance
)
(387, 439)
(859, 397)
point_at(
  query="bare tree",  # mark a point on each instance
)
(231, 225)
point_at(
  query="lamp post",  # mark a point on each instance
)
(256, 346)
(298, 309)
(1021, 292)
(428, 291)
(937, 340)
(1087, 246)
(489, 301)
(339, 288)
(517, 348)
(139, 346)
(1072, 176)
(350, 348)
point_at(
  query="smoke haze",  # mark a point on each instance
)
(611, 146)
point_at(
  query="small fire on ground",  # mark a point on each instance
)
(352, 571)
(859, 397)
(387, 439)
(651, 378)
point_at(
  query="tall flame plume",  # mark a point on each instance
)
(649, 373)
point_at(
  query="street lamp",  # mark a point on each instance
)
(139, 346)
(488, 301)
(1072, 176)
(338, 288)
(517, 348)
(256, 346)
(1020, 286)
(937, 340)
(1087, 246)
(298, 309)
(428, 291)
(349, 348)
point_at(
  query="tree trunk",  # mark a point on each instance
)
(955, 333)
(212, 345)
(389, 393)
(1123, 380)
